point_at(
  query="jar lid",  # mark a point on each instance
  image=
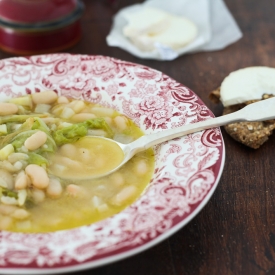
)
(34, 11)
(44, 26)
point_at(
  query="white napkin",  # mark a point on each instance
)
(216, 27)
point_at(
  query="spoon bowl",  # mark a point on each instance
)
(258, 111)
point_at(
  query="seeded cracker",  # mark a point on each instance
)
(251, 134)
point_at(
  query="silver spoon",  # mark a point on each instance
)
(258, 111)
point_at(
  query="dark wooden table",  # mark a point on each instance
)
(235, 232)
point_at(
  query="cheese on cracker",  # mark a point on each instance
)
(247, 84)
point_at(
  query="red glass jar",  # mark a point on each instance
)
(39, 26)
(33, 11)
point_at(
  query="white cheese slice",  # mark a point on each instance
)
(148, 20)
(151, 26)
(247, 84)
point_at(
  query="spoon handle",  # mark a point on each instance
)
(258, 111)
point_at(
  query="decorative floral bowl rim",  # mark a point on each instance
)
(186, 174)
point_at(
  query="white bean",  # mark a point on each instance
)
(96, 201)
(121, 122)
(38, 195)
(59, 168)
(6, 165)
(58, 109)
(82, 117)
(38, 175)
(22, 196)
(7, 209)
(24, 163)
(6, 179)
(18, 165)
(14, 157)
(42, 108)
(102, 111)
(54, 189)
(21, 181)
(68, 163)
(77, 106)
(68, 150)
(6, 151)
(141, 167)
(3, 129)
(65, 124)
(8, 109)
(47, 97)
(36, 140)
(67, 113)
(117, 179)
(9, 200)
(62, 100)
(20, 214)
(74, 190)
(124, 194)
(22, 101)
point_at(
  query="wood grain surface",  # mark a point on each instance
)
(235, 232)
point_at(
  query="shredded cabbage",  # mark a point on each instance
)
(74, 132)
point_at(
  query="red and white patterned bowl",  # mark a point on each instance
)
(187, 169)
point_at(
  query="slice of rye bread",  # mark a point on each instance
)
(251, 134)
